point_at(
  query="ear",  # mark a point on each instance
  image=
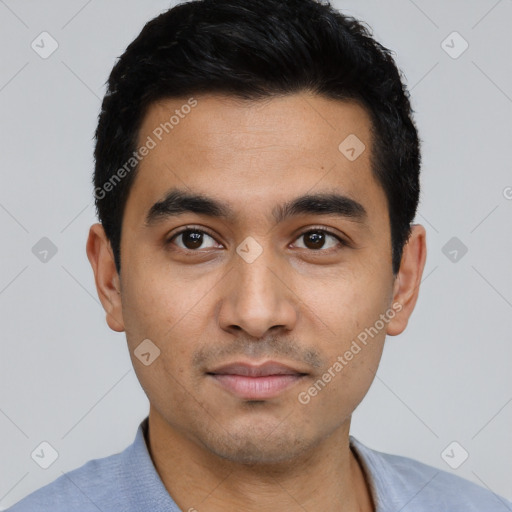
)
(101, 257)
(407, 281)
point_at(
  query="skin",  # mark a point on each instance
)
(300, 306)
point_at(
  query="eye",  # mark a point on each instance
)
(315, 239)
(192, 239)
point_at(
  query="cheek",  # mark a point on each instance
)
(158, 302)
(172, 314)
(348, 311)
(358, 374)
(347, 304)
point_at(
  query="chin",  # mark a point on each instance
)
(260, 446)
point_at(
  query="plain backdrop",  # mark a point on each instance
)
(66, 379)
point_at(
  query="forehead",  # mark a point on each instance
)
(255, 154)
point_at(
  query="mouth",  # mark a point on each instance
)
(256, 382)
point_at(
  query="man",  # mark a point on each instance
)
(257, 176)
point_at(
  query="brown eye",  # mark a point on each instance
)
(191, 239)
(314, 240)
(317, 239)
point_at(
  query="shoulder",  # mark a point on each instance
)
(85, 489)
(124, 481)
(401, 483)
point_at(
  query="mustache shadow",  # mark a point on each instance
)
(271, 347)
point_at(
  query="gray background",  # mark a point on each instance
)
(65, 378)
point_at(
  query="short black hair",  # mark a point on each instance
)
(254, 49)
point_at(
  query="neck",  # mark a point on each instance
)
(329, 478)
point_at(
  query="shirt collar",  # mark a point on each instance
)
(143, 484)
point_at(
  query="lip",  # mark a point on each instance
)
(256, 382)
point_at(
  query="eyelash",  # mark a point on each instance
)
(194, 229)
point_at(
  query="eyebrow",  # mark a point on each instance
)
(178, 202)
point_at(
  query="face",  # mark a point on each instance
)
(267, 299)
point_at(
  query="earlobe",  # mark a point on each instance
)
(408, 279)
(99, 253)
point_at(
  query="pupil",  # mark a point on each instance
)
(317, 240)
(192, 239)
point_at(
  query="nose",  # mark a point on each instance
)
(257, 298)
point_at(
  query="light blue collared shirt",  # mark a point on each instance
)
(129, 482)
